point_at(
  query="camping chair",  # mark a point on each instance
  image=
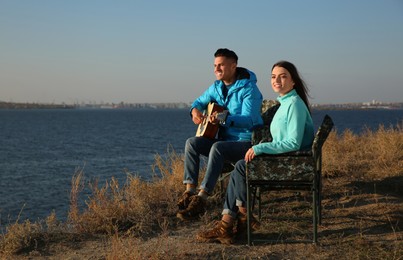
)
(300, 170)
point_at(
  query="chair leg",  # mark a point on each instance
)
(315, 215)
(249, 213)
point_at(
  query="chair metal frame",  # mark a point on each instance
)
(299, 170)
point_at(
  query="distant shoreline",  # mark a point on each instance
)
(12, 105)
(350, 106)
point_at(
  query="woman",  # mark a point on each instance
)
(291, 129)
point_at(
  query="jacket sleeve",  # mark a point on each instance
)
(201, 102)
(292, 136)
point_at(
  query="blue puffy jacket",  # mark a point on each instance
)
(243, 102)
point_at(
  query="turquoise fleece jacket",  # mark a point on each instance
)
(291, 128)
(243, 102)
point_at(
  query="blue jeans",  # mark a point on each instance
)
(217, 152)
(236, 190)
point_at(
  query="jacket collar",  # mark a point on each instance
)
(290, 94)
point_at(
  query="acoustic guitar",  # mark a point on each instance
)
(208, 129)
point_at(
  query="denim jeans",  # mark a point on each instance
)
(217, 152)
(236, 190)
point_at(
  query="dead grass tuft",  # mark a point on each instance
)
(27, 236)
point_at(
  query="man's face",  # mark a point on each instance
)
(224, 69)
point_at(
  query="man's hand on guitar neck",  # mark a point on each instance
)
(214, 118)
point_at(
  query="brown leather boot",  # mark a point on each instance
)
(241, 226)
(222, 232)
(184, 201)
(195, 209)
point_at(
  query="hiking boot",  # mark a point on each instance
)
(222, 232)
(242, 225)
(195, 208)
(184, 201)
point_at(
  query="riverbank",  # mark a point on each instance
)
(362, 213)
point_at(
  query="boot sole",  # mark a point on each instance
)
(225, 241)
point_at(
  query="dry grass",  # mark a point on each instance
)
(136, 207)
(362, 215)
(371, 155)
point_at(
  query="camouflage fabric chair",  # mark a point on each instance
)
(299, 170)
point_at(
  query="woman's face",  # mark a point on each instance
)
(281, 81)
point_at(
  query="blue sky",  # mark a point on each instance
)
(162, 51)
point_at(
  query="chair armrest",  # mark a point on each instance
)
(294, 153)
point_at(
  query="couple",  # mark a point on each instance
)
(235, 89)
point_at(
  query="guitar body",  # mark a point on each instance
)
(207, 129)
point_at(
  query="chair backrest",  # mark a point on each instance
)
(262, 133)
(268, 109)
(322, 134)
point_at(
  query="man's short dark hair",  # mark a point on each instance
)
(226, 53)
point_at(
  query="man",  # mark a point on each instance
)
(236, 91)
